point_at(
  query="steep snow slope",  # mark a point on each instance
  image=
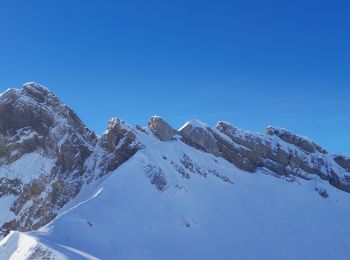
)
(171, 201)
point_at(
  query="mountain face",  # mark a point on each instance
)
(47, 154)
(159, 193)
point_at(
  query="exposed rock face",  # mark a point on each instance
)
(161, 128)
(116, 145)
(250, 151)
(34, 120)
(343, 161)
(196, 134)
(279, 151)
(34, 123)
(299, 141)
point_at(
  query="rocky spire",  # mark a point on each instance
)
(197, 134)
(161, 128)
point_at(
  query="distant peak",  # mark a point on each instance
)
(39, 93)
(35, 87)
(116, 123)
(156, 117)
(226, 124)
(31, 83)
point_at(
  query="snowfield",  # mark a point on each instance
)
(206, 209)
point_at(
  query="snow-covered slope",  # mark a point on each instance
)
(25, 246)
(157, 193)
(198, 215)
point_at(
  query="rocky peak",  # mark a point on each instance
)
(36, 125)
(197, 134)
(36, 107)
(37, 91)
(161, 128)
(116, 145)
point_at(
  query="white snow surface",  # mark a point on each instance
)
(29, 167)
(18, 246)
(254, 216)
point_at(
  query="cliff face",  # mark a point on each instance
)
(47, 154)
(279, 151)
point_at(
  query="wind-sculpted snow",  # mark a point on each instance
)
(156, 193)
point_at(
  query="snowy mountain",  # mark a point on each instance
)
(152, 192)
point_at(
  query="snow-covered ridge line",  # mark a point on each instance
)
(148, 181)
(278, 150)
(37, 124)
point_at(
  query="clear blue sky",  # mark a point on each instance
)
(253, 63)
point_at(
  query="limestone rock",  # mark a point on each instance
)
(299, 141)
(161, 128)
(116, 145)
(343, 161)
(197, 134)
(250, 151)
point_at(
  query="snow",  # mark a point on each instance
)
(35, 87)
(257, 217)
(3, 94)
(30, 83)
(28, 167)
(206, 209)
(23, 246)
(5, 206)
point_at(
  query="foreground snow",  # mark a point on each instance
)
(213, 211)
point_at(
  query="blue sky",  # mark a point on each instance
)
(252, 63)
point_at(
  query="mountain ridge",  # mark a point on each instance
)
(48, 158)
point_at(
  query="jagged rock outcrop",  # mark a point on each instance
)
(343, 161)
(161, 128)
(299, 141)
(196, 134)
(32, 118)
(116, 145)
(290, 156)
